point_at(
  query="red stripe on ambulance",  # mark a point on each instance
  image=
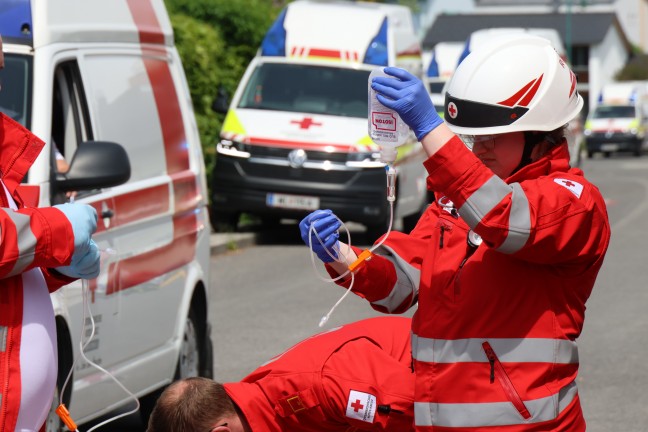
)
(141, 268)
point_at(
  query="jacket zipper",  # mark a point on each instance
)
(5, 390)
(497, 370)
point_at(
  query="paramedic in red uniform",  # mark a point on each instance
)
(504, 260)
(41, 249)
(357, 377)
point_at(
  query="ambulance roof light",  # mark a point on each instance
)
(377, 52)
(16, 20)
(274, 42)
(465, 51)
(433, 68)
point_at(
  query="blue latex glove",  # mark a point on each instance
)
(85, 259)
(408, 97)
(326, 224)
(84, 266)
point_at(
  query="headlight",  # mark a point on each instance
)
(587, 132)
(232, 148)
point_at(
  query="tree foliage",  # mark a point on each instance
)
(635, 70)
(216, 39)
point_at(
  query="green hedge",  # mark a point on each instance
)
(216, 40)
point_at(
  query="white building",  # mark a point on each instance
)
(596, 42)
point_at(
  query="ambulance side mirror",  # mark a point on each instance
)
(221, 102)
(95, 165)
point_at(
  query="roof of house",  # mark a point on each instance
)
(586, 28)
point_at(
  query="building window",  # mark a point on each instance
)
(580, 56)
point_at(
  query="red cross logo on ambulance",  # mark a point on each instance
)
(361, 406)
(305, 123)
(573, 187)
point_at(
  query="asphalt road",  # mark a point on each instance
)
(267, 297)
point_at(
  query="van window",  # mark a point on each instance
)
(308, 89)
(614, 111)
(124, 110)
(70, 119)
(16, 88)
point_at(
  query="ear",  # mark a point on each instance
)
(221, 429)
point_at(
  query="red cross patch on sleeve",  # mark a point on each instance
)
(574, 187)
(361, 406)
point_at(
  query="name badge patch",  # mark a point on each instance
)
(361, 406)
(574, 187)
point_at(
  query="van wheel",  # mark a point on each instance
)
(190, 353)
(637, 150)
(224, 222)
(53, 422)
(189, 363)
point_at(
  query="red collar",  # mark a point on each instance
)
(18, 151)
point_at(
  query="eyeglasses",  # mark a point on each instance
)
(485, 140)
(214, 428)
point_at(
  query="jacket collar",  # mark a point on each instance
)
(555, 160)
(254, 405)
(18, 151)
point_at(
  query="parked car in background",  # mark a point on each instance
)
(103, 81)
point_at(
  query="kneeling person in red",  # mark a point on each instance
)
(356, 377)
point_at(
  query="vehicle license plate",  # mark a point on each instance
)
(609, 147)
(301, 202)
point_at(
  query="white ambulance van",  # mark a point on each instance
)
(295, 136)
(619, 121)
(85, 76)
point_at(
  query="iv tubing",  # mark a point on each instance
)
(391, 197)
(86, 308)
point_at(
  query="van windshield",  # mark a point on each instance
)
(306, 88)
(614, 111)
(15, 88)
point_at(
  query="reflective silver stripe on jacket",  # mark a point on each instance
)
(26, 241)
(487, 197)
(492, 413)
(3, 338)
(512, 350)
(407, 282)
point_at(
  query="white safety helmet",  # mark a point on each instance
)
(513, 83)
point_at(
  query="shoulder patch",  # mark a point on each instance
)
(574, 187)
(361, 406)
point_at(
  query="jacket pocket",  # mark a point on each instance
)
(497, 371)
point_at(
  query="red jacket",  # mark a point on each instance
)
(495, 330)
(29, 238)
(357, 377)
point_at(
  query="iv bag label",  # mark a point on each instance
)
(384, 121)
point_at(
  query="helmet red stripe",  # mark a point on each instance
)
(516, 97)
(527, 98)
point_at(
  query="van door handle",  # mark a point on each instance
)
(107, 214)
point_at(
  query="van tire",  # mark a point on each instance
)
(224, 221)
(53, 423)
(193, 352)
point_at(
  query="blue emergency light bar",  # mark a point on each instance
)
(465, 52)
(433, 68)
(274, 42)
(16, 21)
(377, 52)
